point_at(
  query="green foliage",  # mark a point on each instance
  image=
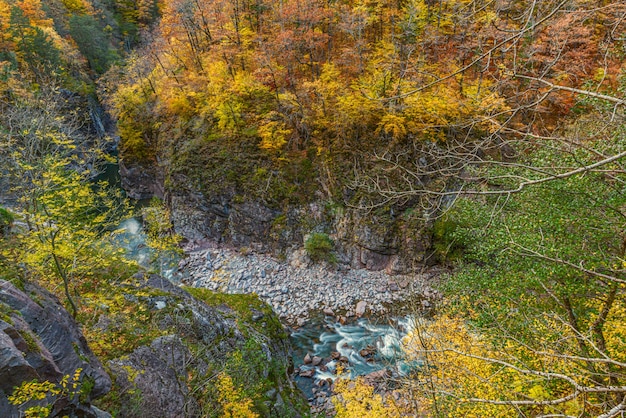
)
(92, 42)
(529, 284)
(34, 45)
(319, 247)
(447, 243)
(6, 220)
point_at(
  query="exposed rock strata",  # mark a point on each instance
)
(40, 340)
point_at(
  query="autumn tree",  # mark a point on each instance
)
(48, 157)
(536, 210)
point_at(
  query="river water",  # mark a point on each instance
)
(369, 345)
(322, 337)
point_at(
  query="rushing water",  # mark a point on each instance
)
(133, 239)
(322, 337)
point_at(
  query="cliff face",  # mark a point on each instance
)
(40, 340)
(395, 239)
(171, 376)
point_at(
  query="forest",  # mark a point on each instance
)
(483, 138)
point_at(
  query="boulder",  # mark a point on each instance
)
(360, 308)
(155, 373)
(201, 341)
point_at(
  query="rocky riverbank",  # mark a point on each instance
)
(296, 287)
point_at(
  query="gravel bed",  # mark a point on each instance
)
(297, 287)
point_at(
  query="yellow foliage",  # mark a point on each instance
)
(393, 125)
(44, 394)
(233, 402)
(274, 135)
(34, 12)
(75, 6)
(356, 399)
(474, 377)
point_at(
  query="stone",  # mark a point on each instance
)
(367, 352)
(360, 308)
(307, 373)
(329, 312)
(307, 359)
(377, 377)
(316, 360)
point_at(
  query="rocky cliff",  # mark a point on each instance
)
(40, 340)
(198, 339)
(393, 239)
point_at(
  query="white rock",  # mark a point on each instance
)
(360, 308)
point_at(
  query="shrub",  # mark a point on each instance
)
(449, 240)
(319, 247)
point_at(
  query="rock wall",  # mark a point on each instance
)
(141, 182)
(396, 240)
(40, 340)
(395, 243)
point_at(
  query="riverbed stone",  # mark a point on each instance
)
(360, 308)
(295, 292)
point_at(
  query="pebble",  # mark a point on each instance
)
(296, 292)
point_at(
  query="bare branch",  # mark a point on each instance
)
(553, 86)
(529, 252)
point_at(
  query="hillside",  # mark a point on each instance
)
(482, 137)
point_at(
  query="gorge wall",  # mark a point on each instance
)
(395, 239)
